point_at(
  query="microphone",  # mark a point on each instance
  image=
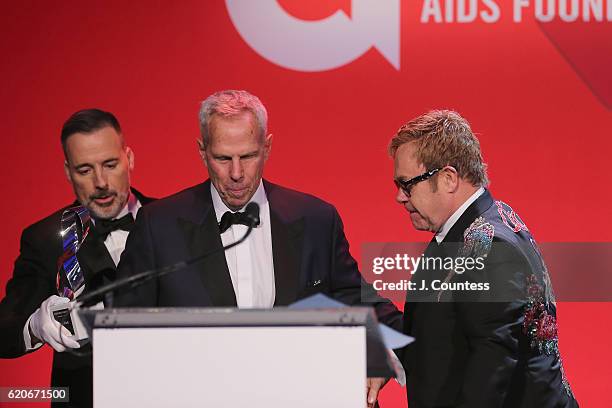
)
(252, 213)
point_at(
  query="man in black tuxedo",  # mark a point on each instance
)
(298, 249)
(485, 336)
(98, 166)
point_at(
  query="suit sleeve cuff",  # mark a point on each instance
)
(27, 339)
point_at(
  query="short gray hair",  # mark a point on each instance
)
(230, 103)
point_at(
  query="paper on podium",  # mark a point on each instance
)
(391, 338)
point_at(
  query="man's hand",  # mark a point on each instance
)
(375, 384)
(44, 327)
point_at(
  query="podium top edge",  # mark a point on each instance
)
(227, 317)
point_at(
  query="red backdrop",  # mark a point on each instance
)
(538, 94)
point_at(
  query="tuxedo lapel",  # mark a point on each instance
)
(95, 262)
(450, 246)
(424, 275)
(202, 234)
(94, 257)
(287, 230)
(287, 239)
(454, 240)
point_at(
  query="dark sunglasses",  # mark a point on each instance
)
(406, 185)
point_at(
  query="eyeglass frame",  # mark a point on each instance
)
(406, 185)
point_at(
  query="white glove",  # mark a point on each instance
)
(45, 328)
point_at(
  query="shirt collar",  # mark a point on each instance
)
(259, 197)
(457, 214)
(132, 206)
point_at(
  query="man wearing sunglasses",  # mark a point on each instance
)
(485, 337)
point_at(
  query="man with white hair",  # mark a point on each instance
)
(298, 248)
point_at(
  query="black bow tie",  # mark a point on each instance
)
(230, 218)
(105, 227)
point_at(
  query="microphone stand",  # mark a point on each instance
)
(95, 296)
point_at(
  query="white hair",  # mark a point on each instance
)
(230, 103)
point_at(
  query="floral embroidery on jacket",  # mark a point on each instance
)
(478, 238)
(510, 218)
(541, 327)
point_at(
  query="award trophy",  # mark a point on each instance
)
(75, 224)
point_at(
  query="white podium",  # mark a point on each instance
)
(187, 357)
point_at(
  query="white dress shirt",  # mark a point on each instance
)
(114, 243)
(250, 263)
(457, 214)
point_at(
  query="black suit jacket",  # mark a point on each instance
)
(34, 280)
(310, 254)
(477, 348)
